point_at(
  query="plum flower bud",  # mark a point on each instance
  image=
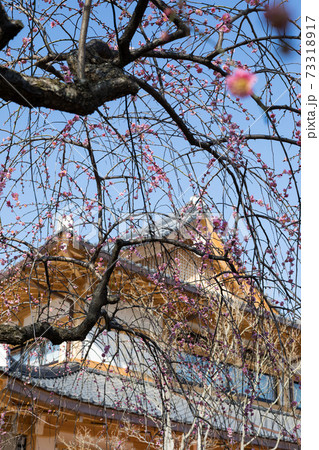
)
(222, 26)
(241, 83)
(253, 2)
(106, 350)
(199, 12)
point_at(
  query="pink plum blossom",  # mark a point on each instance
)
(241, 83)
(226, 18)
(225, 28)
(25, 41)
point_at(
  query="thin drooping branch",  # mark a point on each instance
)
(98, 187)
(171, 54)
(206, 145)
(205, 61)
(266, 108)
(217, 52)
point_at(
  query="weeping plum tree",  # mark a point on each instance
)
(114, 114)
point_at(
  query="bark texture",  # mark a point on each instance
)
(103, 82)
(8, 28)
(106, 83)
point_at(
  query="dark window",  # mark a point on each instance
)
(198, 370)
(37, 354)
(296, 394)
(266, 388)
(21, 443)
(248, 382)
(193, 369)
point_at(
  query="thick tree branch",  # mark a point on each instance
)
(272, 107)
(156, 43)
(182, 31)
(109, 83)
(170, 54)
(18, 335)
(130, 30)
(8, 28)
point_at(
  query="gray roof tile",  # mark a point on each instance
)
(132, 395)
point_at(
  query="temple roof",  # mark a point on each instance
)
(167, 224)
(131, 395)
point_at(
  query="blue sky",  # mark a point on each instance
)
(171, 154)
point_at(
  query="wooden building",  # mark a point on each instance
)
(186, 353)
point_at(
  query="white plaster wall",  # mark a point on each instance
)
(3, 355)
